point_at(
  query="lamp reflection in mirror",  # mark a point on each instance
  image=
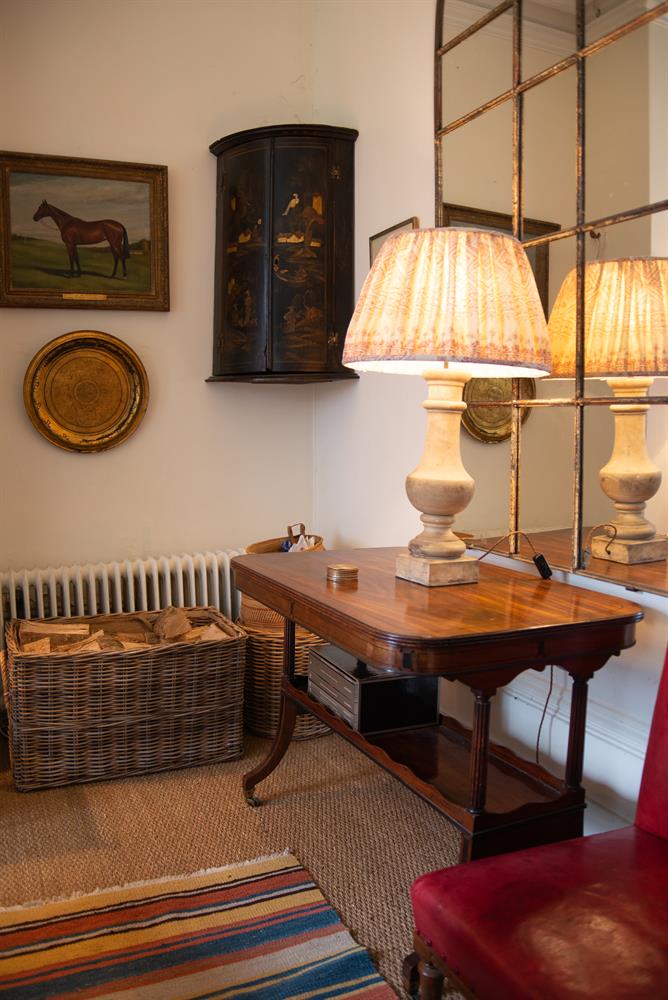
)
(626, 342)
(466, 299)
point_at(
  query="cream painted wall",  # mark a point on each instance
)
(153, 82)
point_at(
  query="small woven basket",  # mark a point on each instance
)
(251, 611)
(264, 653)
(77, 717)
(264, 671)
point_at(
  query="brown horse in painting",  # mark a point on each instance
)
(75, 231)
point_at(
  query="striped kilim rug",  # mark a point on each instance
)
(261, 929)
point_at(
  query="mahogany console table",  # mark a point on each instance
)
(482, 635)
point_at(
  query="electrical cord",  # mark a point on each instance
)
(542, 718)
(543, 568)
(539, 559)
(603, 524)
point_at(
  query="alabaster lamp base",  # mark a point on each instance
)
(630, 479)
(630, 552)
(436, 572)
(440, 487)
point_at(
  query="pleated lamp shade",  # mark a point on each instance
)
(463, 296)
(625, 316)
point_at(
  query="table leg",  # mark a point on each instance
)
(286, 724)
(576, 732)
(479, 751)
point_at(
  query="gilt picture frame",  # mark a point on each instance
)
(83, 234)
(376, 241)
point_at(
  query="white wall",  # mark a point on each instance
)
(153, 82)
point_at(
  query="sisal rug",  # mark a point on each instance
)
(261, 929)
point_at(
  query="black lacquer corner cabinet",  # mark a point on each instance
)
(284, 282)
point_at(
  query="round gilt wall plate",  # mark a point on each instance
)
(86, 391)
(492, 423)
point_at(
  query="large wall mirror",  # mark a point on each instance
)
(555, 110)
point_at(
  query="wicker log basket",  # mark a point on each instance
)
(77, 717)
(264, 653)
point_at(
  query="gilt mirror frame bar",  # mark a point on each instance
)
(515, 95)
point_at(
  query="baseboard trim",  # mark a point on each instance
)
(617, 729)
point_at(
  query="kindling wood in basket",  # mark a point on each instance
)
(146, 702)
(264, 654)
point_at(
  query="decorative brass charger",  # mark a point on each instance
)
(492, 423)
(86, 391)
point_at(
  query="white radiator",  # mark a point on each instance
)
(202, 578)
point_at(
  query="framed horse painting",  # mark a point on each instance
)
(85, 234)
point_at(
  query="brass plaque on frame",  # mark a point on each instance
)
(491, 424)
(86, 391)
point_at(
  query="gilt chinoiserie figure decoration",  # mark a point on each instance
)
(284, 253)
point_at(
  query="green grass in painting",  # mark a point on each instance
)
(44, 266)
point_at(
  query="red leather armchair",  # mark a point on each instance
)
(582, 918)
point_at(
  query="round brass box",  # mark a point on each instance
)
(342, 573)
(86, 391)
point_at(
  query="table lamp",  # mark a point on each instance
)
(468, 299)
(626, 343)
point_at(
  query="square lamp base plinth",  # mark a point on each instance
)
(436, 572)
(630, 553)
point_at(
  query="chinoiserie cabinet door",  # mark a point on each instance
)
(242, 254)
(284, 253)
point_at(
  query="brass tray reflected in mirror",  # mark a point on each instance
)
(491, 424)
(86, 391)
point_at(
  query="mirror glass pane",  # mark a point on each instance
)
(549, 179)
(489, 464)
(548, 34)
(546, 497)
(626, 124)
(561, 262)
(546, 471)
(471, 176)
(546, 480)
(464, 86)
